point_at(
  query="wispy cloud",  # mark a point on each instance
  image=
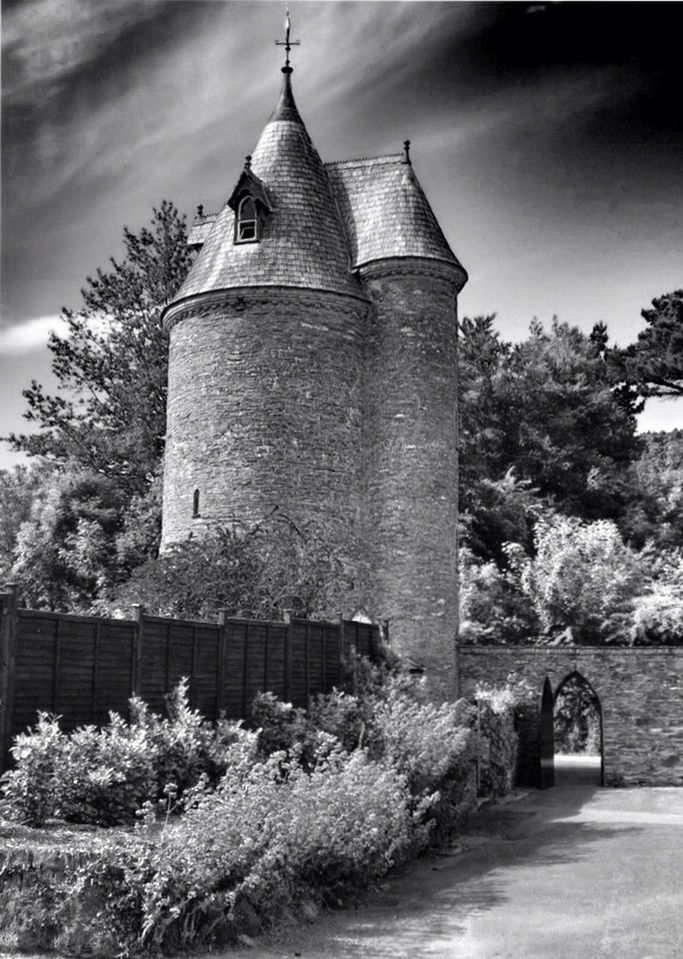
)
(30, 335)
(46, 40)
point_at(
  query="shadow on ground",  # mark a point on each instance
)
(425, 907)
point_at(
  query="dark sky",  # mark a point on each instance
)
(548, 137)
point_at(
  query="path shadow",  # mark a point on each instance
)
(426, 905)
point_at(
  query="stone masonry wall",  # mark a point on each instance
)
(640, 692)
(264, 410)
(410, 460)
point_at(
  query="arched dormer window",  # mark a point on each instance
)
(251, 204)
(247, 221)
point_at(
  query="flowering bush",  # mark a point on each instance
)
(310, 805)
(658, 617)
(106, 775)
(272, 832)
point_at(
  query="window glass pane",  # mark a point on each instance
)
(247, 209)
(247, 230)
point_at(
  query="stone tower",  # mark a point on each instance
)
(312, 369)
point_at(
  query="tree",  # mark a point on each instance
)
(273, 566)
(583, 577)
(17, 491)
(581, 585)
(110, 412)
(654, 363)
(66, 549)
(655, 514)
(543, 422)
(571, 434)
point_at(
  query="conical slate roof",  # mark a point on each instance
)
(303, 243)
(386, 213)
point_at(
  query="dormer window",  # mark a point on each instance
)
(247, 221)
(251, 204)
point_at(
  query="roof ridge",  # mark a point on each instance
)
(384, 158)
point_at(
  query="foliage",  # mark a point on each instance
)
(18, 487)
(583, 577)
(109, 415)
(140, 532)
(655, 515)
(658, 613)
(579, 586)
(311, 806)
(107, 775)
(99, 514)
(495, 604)
(66, 550)
(271, 830)
(654, 363)
(260, 572)
(545, 421)
(576, 718)
(29, 789)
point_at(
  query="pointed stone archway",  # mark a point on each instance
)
(639, 692)
(581, 697)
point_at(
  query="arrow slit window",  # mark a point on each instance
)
(247, 221)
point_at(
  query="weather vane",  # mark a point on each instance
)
(287, 43)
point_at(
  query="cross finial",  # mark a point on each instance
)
(287, 43)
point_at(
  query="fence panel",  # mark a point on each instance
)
(83, 667)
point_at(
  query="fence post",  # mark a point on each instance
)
(8, 642)
(307, 660)
(245, 670)
(340, 647)
(287, 617)
(220, 672)
(138, 639)
(384, 631)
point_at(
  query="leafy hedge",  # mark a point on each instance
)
(311, 805)
(105, 776)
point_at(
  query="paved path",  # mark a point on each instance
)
(574, 872)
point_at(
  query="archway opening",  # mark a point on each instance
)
(577, 732)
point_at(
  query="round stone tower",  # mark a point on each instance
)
(265, 362)
(313, 369)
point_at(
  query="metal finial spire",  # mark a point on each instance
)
(287, 43)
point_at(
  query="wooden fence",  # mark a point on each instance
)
(81, 667)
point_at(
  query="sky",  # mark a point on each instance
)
(547, 136)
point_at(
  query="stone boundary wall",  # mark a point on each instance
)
(640, 691)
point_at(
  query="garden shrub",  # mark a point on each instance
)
(29, 789)
(658, 616)
(494, 718)
(271, 833)
(106, 775)
(311, 805)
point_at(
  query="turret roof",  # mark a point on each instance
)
(303, 243)
(385, 211)
(323, 221)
